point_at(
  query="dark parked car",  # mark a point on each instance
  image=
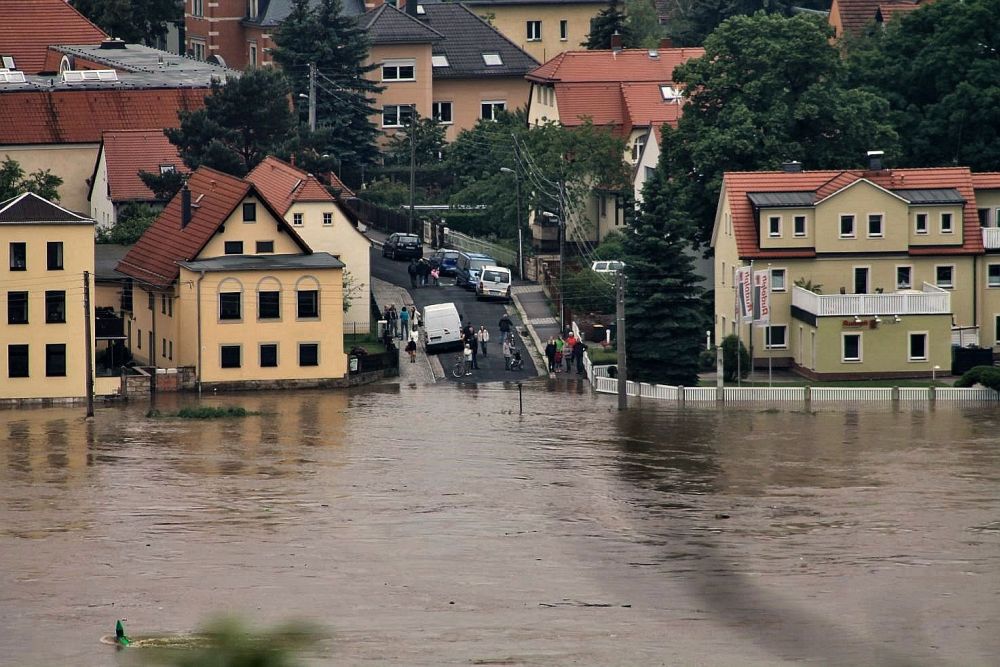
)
(403, 246)
(446, 261)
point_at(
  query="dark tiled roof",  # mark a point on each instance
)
(466, 38)
(780, 199)
(388, 25)
(29, 208)
(932, 196)
(317, 260)
(106, 258)
(27, 29)
(487, 3)
(273, 12)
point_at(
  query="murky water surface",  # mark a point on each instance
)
(431, 526)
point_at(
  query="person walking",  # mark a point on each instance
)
(394, 320)
(468, 359)
(506, 353)
(423, 270)
(404, 323)
(560, 345)
(483, 336)
(505, 325)
(436, 276)
(475, 351)
(414, 318)
(411, 349)
(412, 270)
(550, 354)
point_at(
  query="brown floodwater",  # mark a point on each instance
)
(433, 525)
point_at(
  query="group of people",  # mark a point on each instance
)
(476, 342)
(424, 272)
(568, 349)
(401, 322)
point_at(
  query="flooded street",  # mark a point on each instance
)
(433, 525)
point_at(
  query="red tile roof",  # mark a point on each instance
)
(885, 12)
(645, 105)
(338, 184)
(28, 28)
(738, 185)
(610, 67)
(127, 152)
(81, 116)
(856, 14)
(602, 103)
(282, 185)
(987, 180)
(214, 195)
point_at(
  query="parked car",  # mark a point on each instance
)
(609, 266)
(446, 260)
(403, 246)
(469, 266)
(494, 283)
(442, 326)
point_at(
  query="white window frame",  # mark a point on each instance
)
(390, 66)
(990, 283)
(637, 146)
(533, 30)
(493, 108)
(771, 233)
(909, 345)
(950, 217)
(563, 30)
(996, 329)
(861, 347)
(950, 285)
(198, 8)
(769, 337)
(881, 225)
(399, 115)
(784, 280)
(297, 219)
(854, 226)
(327, 218)
(805, 226)
(899, 285)
(198, 49)
(436, 108)
(996, 217)
(868, 278)
(492, 59)
(916, 222)
(252, 54)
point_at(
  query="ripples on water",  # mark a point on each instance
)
(435, 525)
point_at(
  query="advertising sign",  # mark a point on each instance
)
(744, 294)
(762, 298)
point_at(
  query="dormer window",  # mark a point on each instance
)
(774, 226)
(669, 93)
(167, 169)
(492, 59)
(946, 223)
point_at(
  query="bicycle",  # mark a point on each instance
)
(459, 369)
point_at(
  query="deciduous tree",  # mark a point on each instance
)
(13, 181)
(135, 21)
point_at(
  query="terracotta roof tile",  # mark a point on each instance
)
(282, 185)
(987, 180)
(27, 29)
(739, 184)
(856, 14)
(127, 152)
(645, 105)
(602, 103)
(81, 116)
(215, 195)
(628, 65)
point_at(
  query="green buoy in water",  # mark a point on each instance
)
(120, 635)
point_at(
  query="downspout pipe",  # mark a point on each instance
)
(198, 302)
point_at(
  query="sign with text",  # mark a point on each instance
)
(744, 294)
(762, 298)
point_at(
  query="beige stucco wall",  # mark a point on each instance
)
(73, 163)
(543, 106)
(342, 240)
(884, 349)
(725, 257)
(467, 95)
(416, 92)
(990, 199)
(264, 229)
(167, 327)
(511, 20)
(101, 208)
(78, 256)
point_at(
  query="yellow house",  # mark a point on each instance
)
(444, 62)
(326, 225)
(541, 28)
(49, 254)
(873, 273)
(222, 284)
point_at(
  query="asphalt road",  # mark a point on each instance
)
(488, 313)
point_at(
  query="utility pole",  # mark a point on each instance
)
(88, 341)
(562, 262)
(312, 97)
(413, 171)
(620, 335)
(517, 202)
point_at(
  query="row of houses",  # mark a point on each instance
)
(241, 281)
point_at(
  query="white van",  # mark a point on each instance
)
(494, 283)
(442, 327)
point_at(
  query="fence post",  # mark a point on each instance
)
(680, 393)
(932, 393)
(894, 395)
(808, 395)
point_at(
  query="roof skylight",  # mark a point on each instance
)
(439, 61)
(669, 93)
(492, 59)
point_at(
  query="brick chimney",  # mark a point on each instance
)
(616, 42)
(411, 7)
(875, 160)
(185, 206)
(666, 43)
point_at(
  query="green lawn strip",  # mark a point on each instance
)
(204, 412)
(370, 343)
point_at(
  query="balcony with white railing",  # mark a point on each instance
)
(991, 238)
(931, 300)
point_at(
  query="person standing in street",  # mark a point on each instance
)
(560, 349)
(568, 351)
(411, 349)
(578, 349)
(475, 351)
(412, 270)
(483, 336)
(506, 353)
(404, 323)
(393, 320)
(550, 354)
(505, 326)
(468, 359)
(423, 270)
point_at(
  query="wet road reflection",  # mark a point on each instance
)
(435, 525)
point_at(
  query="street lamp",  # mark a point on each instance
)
(520, 247)
(562, 269)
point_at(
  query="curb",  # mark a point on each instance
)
(537, 354)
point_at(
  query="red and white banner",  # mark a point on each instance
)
(762, 298)
(744, 294)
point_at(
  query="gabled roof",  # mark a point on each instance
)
(607, 66)
(602, 103)
(214, 196)
(282, 185)
(855, 15)
(127, 152)
(81, 116)
(388, 25)
(27, 29)
(466, 38)
(30, 209)
(646, 106)
(987, 180)
(745, 189)
(271, 13)
(885, 11)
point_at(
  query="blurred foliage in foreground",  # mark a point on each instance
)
(231, 643)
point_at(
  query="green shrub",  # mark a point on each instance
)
(729, 358)
(988, 376)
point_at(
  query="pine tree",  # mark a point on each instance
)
(608, 21)
(664, 309)
(338, 47)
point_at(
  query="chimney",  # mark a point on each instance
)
(185, 206)
(666, 43)
(616, 42)
(112, 43)
(411, 8)
(791, 167)
(875, 160)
